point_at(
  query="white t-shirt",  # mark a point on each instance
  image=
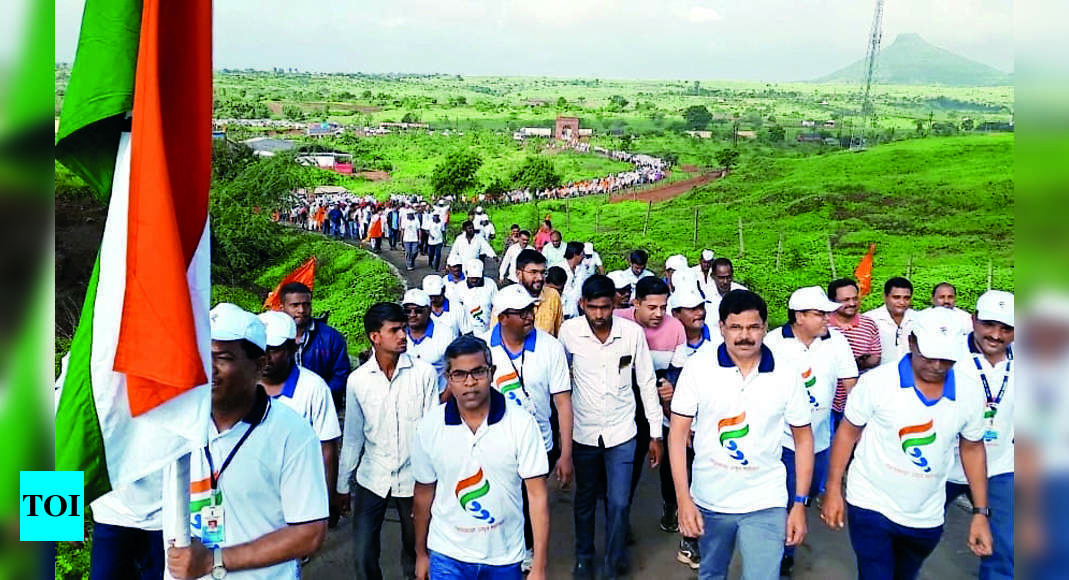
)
(907, 446)
(712, 307)
(410, 229)
(530, 378)
(508, 263)
(632, 279)
(591, 264)
(738, 428)
(821, 364)
(137, 505)
(477, 303)
(477, 514)
(308, 394)
(554, 256)
(274, 479)
(431, 348)
(998, 429)
(894, 339)
(435, 231)
(451, 316)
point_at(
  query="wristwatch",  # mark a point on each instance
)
(984, 511)
(802, 499)
(218, 571)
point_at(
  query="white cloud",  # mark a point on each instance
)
(702, 14)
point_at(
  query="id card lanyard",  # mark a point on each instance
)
(993, 402)
(214, 477)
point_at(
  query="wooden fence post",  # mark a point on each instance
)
(695, 243)
(831, 259)
(779, 251)
(646, 226)
(597, 216)
(990, 274)
(742, 246)
(909, 267)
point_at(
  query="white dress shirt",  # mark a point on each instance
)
(602, 400)
(894, 338)
(380, 417)
(471, 250)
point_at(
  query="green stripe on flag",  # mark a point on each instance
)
(917, 442)
(79, 442)
(100, 92)
(734, 434)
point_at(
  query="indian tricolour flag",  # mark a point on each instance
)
(136, 125)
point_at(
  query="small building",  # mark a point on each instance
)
(701, 134)
(268, 147)
(324, 130)
(809, 123)
(809, 138)
(829, 124)
(526, 132)
(566, 129)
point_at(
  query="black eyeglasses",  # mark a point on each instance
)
(461, 376)
(525, 313)
(414, 309)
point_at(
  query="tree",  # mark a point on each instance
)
(727, 158)
(562, 102)
(410, 117)
(967, 124)
(776, 134)
(617, 102)
(697, 117)
(292, 112)
(456, 173)
(536, 173)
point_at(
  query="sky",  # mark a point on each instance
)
(763, 40)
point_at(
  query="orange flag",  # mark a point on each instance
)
(863, 272)
(305, 274)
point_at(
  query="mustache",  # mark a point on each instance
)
(745, 343)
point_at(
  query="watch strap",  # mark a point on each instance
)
(802, 499)
(983, 511)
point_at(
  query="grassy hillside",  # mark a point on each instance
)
(937, 209)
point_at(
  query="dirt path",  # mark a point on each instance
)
(666, 192)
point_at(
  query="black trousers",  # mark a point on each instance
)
(528, 533)
(369, 510)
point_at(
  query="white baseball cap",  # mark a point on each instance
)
(996, 305)
(514, 297)
(416, 296)
(479, 209)
(619, 279)
(453, 260)
(230, 322)
(588, 249)
(937, 334)
(687, 298)
(812, 298)
(280, 327)
(433, 285)
(685, 279)
(708, 255)
(473, 268)
(676, 262)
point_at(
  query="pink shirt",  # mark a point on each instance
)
(662, 340)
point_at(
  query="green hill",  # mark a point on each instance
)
(937, 209)
(911, 60)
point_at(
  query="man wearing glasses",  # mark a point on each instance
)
(426, 341)
(472, 457)
(531, 272)
(531, 369)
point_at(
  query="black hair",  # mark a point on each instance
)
(739, 301)
(529, 256)
(650, 286)
(514, 227)
(792, 316)
(556, 276)
(467, 344)
(834, 285)
(466, 224)
(525, 233)
(639, 257)
(560, 235)
(383, 312)
(573, 249)
(292, 288)
(599, 286)
(897, 282)
(251, 350)
(549, 223)
(941, 284)
(723, 262)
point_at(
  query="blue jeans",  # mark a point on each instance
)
(589, 462)
(999, 565)
(411, 251)
(445, 568)
(434, 256)
(760, 536)
(121, 552)
(886, 550)
(820, 473)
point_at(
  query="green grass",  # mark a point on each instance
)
(348, 281)
(937, 209)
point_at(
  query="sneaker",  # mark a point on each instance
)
(669, 521)
(786, 566)
(528, 561)
(688, 553)
(583, 571)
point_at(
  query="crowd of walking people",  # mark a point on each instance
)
(477, 391)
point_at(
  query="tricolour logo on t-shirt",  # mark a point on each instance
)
(509, 385)
(914, 438)
(810, 380)
(731, 429)
(470, 491)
